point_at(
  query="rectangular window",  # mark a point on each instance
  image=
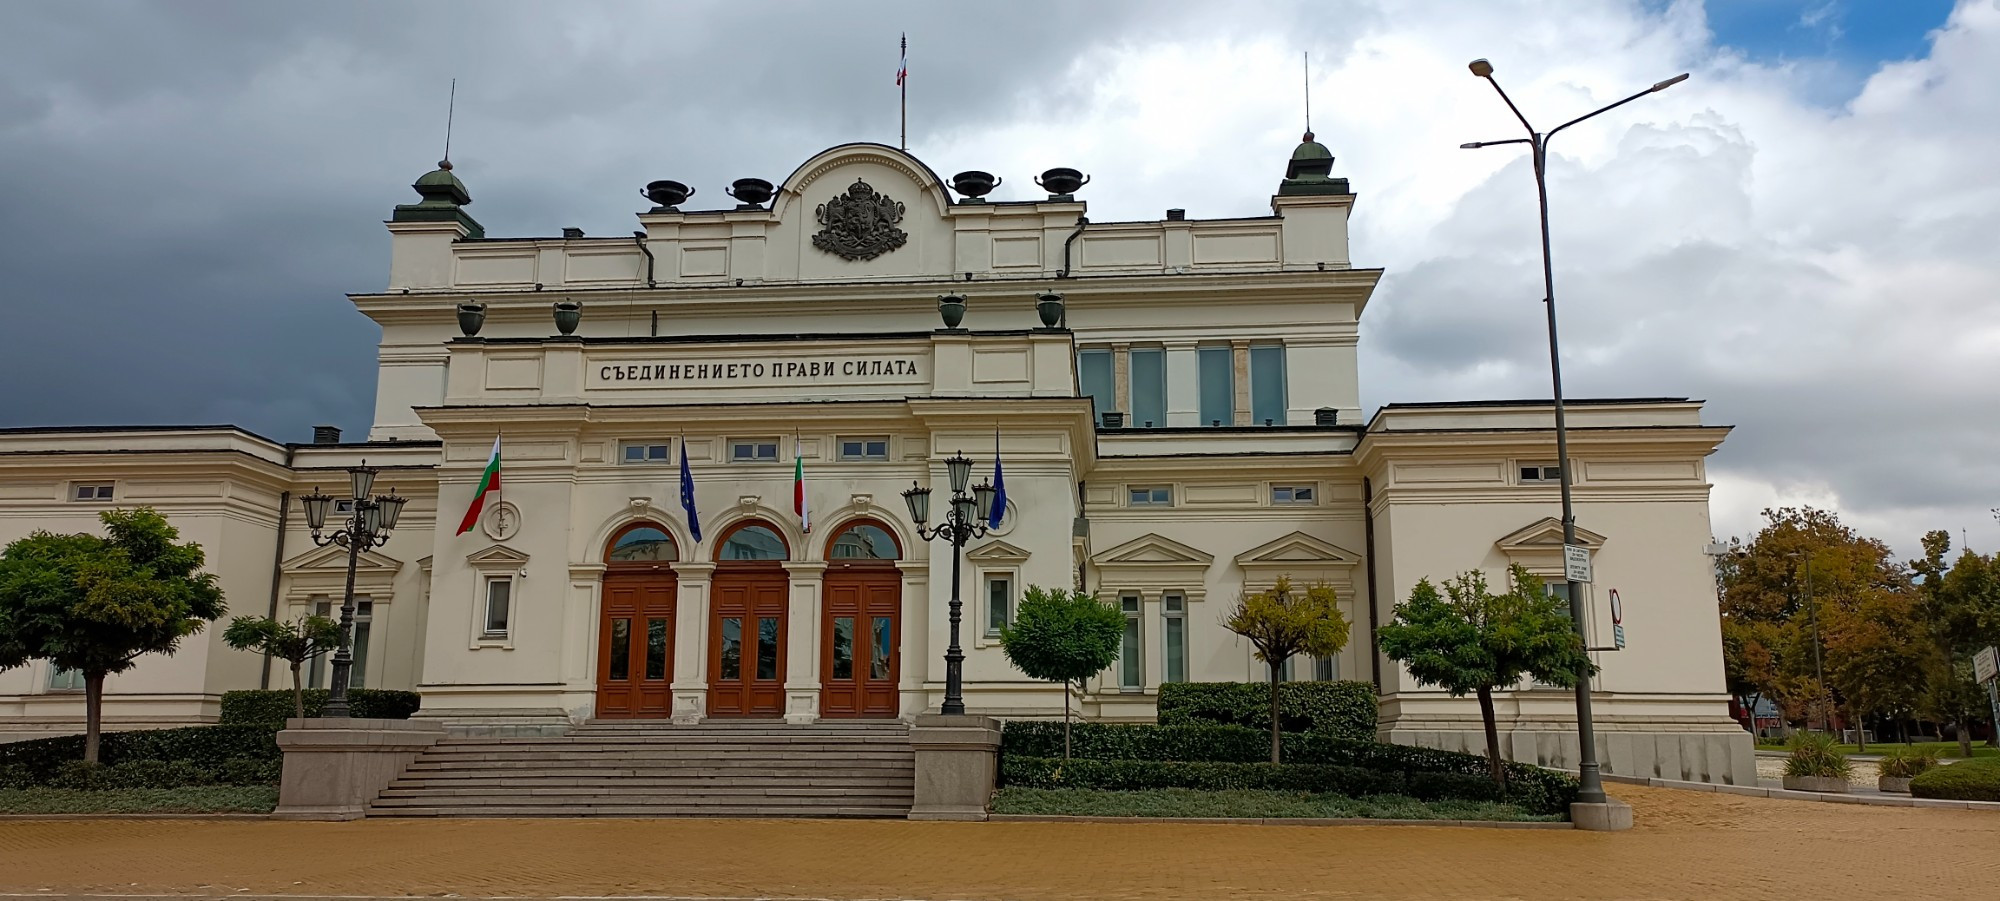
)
(878, 664)
(90, 491)
(1151, 496)
(1093, 378)
(1326, 669)
(731, 657)
(1173, 608)
(1293, 494)
(843, 647)
(621, 649)
(1267, 385)
(1131, 672)
(656, 649)
(364, 619)
(316, 670)
(758, 451)
(767, 647)
(499, 603)
(343, 506)
(65, 680)
(1149, 387)
(864, 448)
(1307, 668)
(999, 603)
(644, 452)
(1541, 472)
(1218, 386)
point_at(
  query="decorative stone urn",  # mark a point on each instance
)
(1828, 784)
(668, 194)
(568, 314)
(1897, 784)
(1049, 306)
(974, 185)
(951, 308)
(471, 318)
(1062, 182)
(750, 193)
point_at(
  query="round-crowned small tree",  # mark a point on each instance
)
(294, 642)
(1062, 636)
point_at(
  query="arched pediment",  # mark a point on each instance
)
(862, 156)
(1546, 534)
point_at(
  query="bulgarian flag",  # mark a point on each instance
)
(799, 505)
(489, 483)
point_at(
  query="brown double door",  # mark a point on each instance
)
(859, 635)
(635, 659)
(746, 645)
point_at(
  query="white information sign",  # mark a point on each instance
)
(1618, 637)
(1986, 664)
(1576, 563)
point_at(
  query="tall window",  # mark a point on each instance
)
(1131, 668)
(1093, 374)
(1149, 387)
(499, 604)
(999, 603)
(320, 672)
(1218, 386)
(1267, 384)
(1173, 608)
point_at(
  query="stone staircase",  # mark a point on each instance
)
(627, 769)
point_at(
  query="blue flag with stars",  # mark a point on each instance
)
(687, 494)
(999, 489)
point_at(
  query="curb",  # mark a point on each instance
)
(1271, 821)
(34, 817)
(1758, 791)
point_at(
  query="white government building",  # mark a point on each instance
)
(1185, 427)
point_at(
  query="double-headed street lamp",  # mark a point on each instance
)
(966, 520)
(367, 527)
(1587, 768)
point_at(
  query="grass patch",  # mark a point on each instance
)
(193, 799)
(1946, 750)
(1183, 802)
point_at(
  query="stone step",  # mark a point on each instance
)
(711, 795)
(638, 812)
(713, 747)
(662, 777)
(665, 761)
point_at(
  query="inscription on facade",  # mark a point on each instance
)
(763, 372)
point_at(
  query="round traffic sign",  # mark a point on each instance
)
(1617, 609)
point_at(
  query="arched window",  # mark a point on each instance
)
(863, 541)
(752, 542)
(643, 543)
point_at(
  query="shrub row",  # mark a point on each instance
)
(146, 774)
(1138, 775)
(208, 747)
(1345, 709)
(1977, 779)
(1536, 789)
(272, 707)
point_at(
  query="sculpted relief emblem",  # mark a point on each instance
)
(860, 224)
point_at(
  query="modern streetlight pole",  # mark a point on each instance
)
(1587, 767)
(965, 521)
(368, 527)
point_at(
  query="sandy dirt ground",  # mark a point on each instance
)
(1686, 845)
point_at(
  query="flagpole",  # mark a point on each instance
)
(903, 87)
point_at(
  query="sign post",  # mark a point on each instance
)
(1986, 667)
(1576, 563)
(1617, 621)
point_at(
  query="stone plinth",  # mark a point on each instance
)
(335, 767)
(958, 763)
(1611, 816)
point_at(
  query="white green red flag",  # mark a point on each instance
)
(489, 483)
(799, 505)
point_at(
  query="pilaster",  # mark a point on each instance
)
(802, 622)
(1183, 384)
(690, 685)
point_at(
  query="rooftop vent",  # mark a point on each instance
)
(572, 233)
(1176, 215)
(1326, 416)
(326, 434)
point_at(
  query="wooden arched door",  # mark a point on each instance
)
(861, 628)
(747, 621)
(635, 625)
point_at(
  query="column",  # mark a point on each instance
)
(913, 658)
(690, 685)
(802, 623)
(1183, 385)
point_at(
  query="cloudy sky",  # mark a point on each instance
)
(1804, 233)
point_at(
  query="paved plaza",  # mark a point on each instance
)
(1686, 845)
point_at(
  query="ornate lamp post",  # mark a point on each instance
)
(1587, 768)
(965, 521)
(368, 527)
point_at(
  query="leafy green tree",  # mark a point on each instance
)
(1282, 624)
(97, 603)
(1876, 650)
(1470, 640)
(1961, 607)
(1062, 636)
(294, 642)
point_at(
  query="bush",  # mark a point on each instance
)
(208, 748)
(1977, 779)
(1904, 763)
(1132, 775)
(272, 707)
(1345, 709)
(1816, 754)
(1137, 741)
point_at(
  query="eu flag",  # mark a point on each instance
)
(687, 494)
(999, 491)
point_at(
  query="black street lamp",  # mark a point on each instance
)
(367, 527)
(1587, 768)
(966, 520)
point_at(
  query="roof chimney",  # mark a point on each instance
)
(1176, 215)
(572, 232)
(1326, 416)
(326, 434)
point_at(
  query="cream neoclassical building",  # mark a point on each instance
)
(1186, 426)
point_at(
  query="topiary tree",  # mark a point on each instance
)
(96, 603)
(1282, 624)
(294, 642)
(1472, 641)
(1062, 636)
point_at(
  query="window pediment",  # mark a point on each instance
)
(1545, 534)
(1154, 565)
(1154, 550)
(322, 572)
(1297, 549)
(496, 557)
(997, 552)
(333, 557)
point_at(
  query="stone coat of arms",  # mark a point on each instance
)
(860, 224)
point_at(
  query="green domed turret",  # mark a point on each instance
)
(1309, 170)
(443, 196)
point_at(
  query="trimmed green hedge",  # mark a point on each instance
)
(214, 751)
(1345, 709)
(1977, 779)
(148, 774)
(1131, 775)
(1538, 790)
(272, 707)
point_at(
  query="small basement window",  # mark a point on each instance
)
(644, 452)
(753, 451)
(1294, 494)
(864, 448)
(90, 491)
(1151, 496)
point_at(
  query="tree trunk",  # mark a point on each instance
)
(1065, 720)
(1492, 736)
(298, 693)
(1964, 736)
(93, 713)
(1860, 731)
(1275, 734)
